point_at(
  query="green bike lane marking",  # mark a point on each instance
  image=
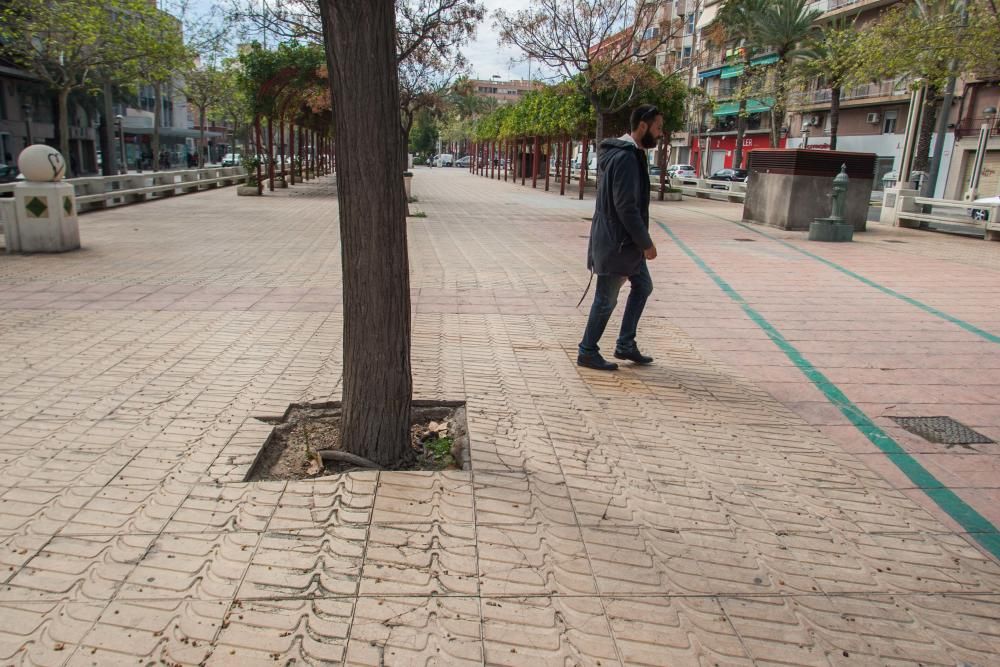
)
(971, 328)
(971, 521)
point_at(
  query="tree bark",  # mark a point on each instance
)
(377, 381)
(534, 162)
(157, 121)
(201, 140)
(108, 156)
(270, 153)
(548, 157)
(741, 129)
(921, 157)
(64, 129)
(834, 115)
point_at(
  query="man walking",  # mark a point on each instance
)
(619, 239)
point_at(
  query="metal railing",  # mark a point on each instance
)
(867, 91)
(104, 191)
(970, 127)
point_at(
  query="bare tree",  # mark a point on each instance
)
(592, 39)
(377, 385)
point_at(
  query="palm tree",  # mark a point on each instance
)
(783, 26)
(830, 55)
(738, 19)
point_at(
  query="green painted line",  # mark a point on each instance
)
(971, 521)
(971, 328)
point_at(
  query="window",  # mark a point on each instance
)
(687, 51)
(650, 33)
(889, 122)
(689, 28)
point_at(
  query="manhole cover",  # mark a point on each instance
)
(892, 241)
(746, 240)
(944, 430)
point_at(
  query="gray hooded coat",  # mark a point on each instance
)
(619, 232)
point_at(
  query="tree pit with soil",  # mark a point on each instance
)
(307, 442)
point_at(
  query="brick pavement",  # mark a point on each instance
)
(710, 509)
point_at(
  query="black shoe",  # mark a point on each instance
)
(595, 361)
(633, 355)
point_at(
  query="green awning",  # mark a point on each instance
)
(733, 71)
(753, 106)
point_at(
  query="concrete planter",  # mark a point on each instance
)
(247, 191)
(789, 189)
(407, 178)
(673, 196)
(280, 183)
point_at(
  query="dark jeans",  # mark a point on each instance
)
(605, 300)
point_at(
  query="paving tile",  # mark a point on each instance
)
(713, 508)
(314, 562)
(433, 559)
(547, 631)
(408, 630)
(651, 630)
(265, 631)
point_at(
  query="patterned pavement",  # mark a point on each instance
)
(712, 509)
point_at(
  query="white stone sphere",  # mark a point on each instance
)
(41, 163)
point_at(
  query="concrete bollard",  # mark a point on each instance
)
(45, 215)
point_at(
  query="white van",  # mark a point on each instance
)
(444, 160)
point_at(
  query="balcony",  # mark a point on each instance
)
(970, 127)
(897, 88)
(830, 6)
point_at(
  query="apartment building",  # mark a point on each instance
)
(872, 116)
(504, 92)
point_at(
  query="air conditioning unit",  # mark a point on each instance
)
(873, 118)
(814, 121)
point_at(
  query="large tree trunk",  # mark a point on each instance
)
(377, 384)
(834, 115)
(108, 153)
(64, 129)
(741, 128)
(157, 121)
(201, 140)
(921, 157)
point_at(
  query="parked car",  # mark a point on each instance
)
(231, 160)
(681, 171)
(738, 175)
(464, 161)
(444, 160)
(8, 173)
(982, 213)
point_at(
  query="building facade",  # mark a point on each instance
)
(504, 92)
(872, 117)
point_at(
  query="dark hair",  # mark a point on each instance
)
(643, 113)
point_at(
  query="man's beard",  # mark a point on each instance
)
(648, 141)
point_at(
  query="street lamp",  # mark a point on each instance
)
(26, 108)
(121, 141)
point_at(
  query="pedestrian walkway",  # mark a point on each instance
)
(715, 508)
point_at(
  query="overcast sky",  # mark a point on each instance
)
(486, 57)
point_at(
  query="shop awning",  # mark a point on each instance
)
(753, 106)
(715, 71)
(708, 15)
(731, 71)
